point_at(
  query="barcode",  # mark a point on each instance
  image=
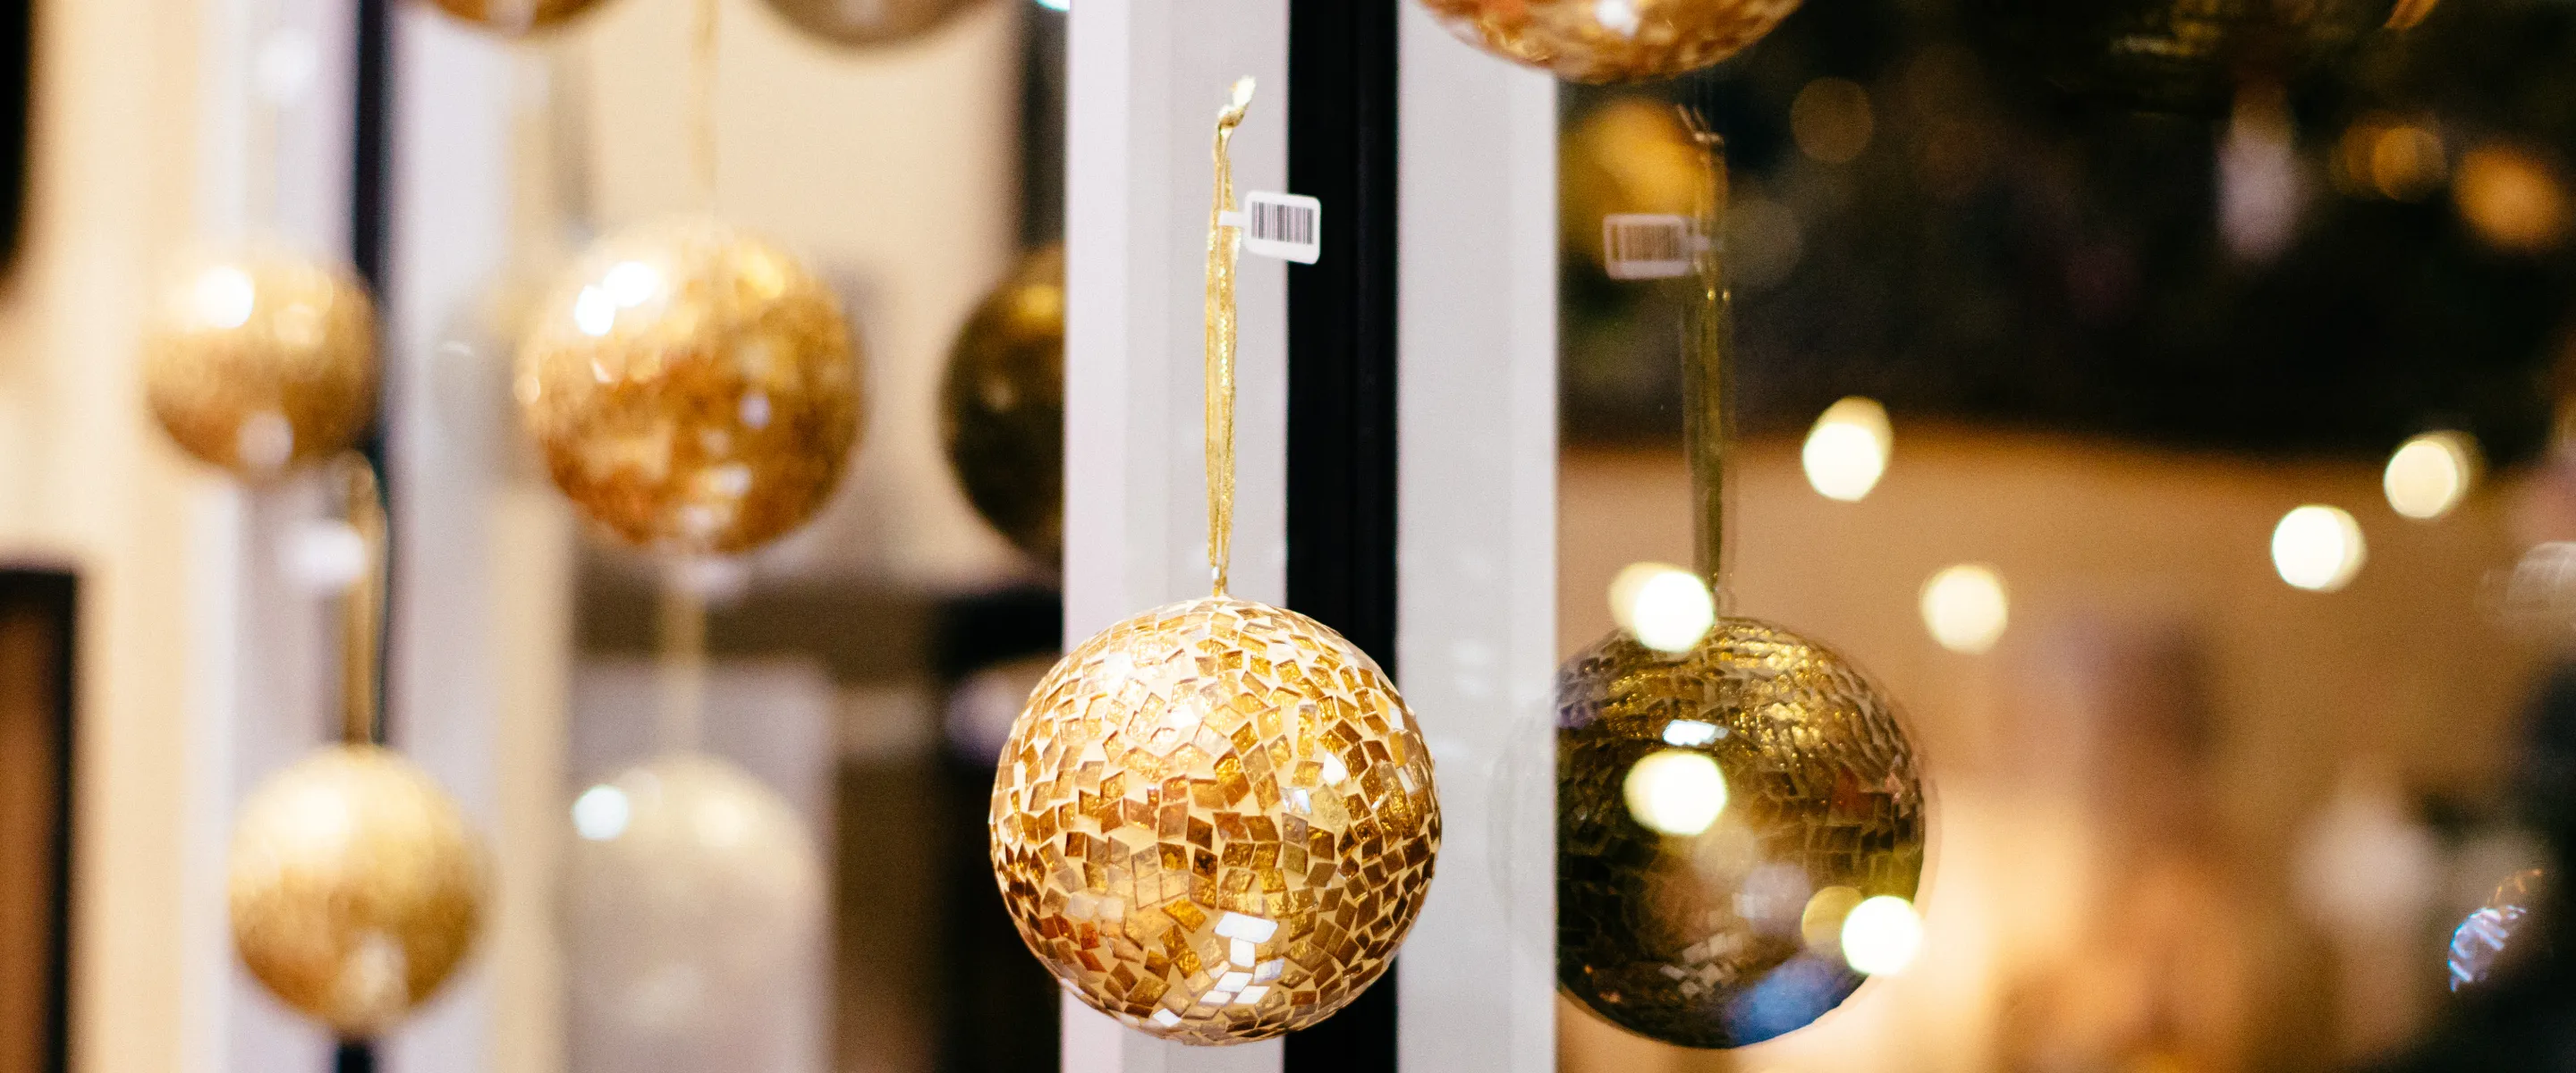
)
(1286, 226)
(1647, 246)
(1283, 223)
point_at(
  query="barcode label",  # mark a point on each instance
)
(1648, 245)
(1286, 226)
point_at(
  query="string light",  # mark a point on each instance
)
(1846, 452)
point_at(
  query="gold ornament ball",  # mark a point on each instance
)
(692, 889)
(261, 361)
(1002, 410)
(1612, 40)
(1719, 812)
(356, 888)
(692, 388)
(875, 23)
(1215, 822)
(517, 18)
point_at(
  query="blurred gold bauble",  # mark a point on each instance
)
(517, 17)
(1215, 822)
(1719, 812)
(1612, 40)
(356, 888)
(1002, 410)
(262, 361)
(692, 890)
(693, 388)
(2191, 56)
(868, 22)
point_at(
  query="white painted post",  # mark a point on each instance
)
(1476, 632)
(1146, 79)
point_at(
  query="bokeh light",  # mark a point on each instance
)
(1882, 935)
(2511, 198)
(1966, 609)
(1675, 792)
(2429, 474)
(1668, 608)
(2318, 548)
(1831, 120)
(1847, 450)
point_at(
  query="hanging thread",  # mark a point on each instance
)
(1707, 390)
(362, 607)
(702, 103)
(680, 671)
(1224, 240)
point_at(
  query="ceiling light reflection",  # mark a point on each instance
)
(1847, 451)
(1675, 792)
(2430, 474)
(1965, 608)
(1881, 936)
(2318, 548)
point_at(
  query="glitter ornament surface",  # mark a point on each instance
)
(1612, 40)
(691, 890)
(261, 362)
(1215, 822)
(1002, 410)
(2190, 56)
(692, 388)
(1726, 933)
(356, 888)
(875, 23)
(517, 17)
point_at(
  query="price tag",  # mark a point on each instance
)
(1640, 245)
(1286, 226)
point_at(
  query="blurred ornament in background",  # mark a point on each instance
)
(1716, 811)
(2485, 942)
(1847, 450)
(261, 361)
(356, 888)
(2511, 198)
(693, 388)
(869, 22)
(1002, 409)
(2190, 56)
(1612, 40)
(517, 18)
(690, 889)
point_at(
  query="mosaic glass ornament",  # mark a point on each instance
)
(690, 890)
(517, 18)
(1002, 410)
(692, 388)
(261, 361)
(2191, 56)
(356, 885)
(1725, 803)
(1215, 821)
(1612, 40)
(869, 22)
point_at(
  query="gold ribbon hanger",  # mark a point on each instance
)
(1224, 246)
